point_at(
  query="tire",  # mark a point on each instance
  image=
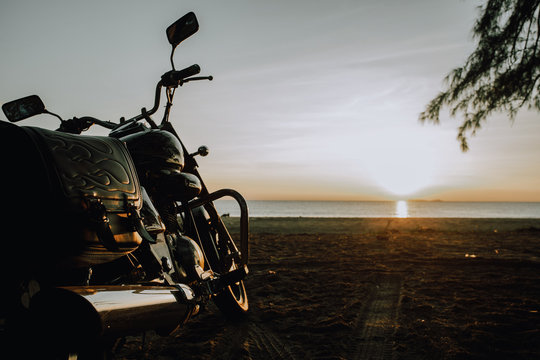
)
(233, 300)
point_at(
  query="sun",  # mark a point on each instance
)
(402, 169)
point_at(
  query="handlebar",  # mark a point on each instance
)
(174, 78)
(170, 79)
(78, 125)
(93, 120)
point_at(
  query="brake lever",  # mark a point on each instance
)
(196, 78)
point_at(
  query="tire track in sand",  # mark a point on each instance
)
(269, 343)
(378, 321)
(250, 339)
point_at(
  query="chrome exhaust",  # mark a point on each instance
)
(80, 314)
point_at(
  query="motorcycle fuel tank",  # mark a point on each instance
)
(159, 159)
(177, 186)
(155, 150)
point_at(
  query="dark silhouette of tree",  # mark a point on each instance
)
(501, 74)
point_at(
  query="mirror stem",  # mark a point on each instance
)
(172, 62)
(45, 111)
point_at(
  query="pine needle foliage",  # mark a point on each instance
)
(501, 75)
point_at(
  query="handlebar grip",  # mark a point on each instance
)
(173, 77)
(187, 72)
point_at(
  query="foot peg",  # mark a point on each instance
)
(232, 277)
(211, 284)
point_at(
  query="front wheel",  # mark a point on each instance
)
(233, 300)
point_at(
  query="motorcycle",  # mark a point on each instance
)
(108, 236)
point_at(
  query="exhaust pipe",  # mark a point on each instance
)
(78, 315)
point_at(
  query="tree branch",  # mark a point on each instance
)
(502, 73)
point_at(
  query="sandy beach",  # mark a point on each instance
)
(375, 289)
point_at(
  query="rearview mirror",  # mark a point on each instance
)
(21, 109)
(183, 28)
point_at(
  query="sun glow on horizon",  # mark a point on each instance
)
(403, 167)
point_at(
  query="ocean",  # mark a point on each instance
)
(375, 209)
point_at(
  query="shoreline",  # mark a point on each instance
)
(320, 225)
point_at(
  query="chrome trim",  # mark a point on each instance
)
(113, 311)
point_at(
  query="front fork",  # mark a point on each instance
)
(226, 263)
(242, 253)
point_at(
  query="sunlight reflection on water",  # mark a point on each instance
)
(402, 211)
(385, 209)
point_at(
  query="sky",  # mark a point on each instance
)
(311, 99)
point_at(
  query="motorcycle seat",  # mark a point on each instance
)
(83, 191)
